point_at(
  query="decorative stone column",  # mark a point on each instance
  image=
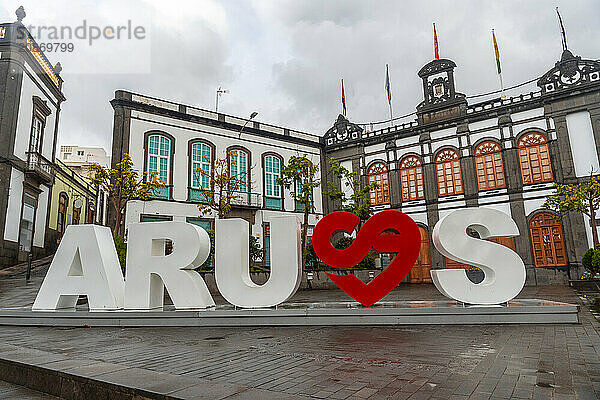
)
(393, 176)
(467, 166)
(431, 197)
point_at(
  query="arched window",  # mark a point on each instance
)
(91, 213)
(239, 161)
(547, 241)
(378, 173)
(63, 202)
(201, 162)
(534, 158)
(488, 162)
(273, 191)
(159, 161)
(76, 213)
(448, 173)
(411, 178)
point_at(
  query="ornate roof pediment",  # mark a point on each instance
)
(570, 71)
(342, 131)
(436, 66)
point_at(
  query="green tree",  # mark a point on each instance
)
(594, 267)
(312, 261)
(209, 264)
(223, 187)
(255, 250)
(121, 247)
(302, 173)
(124, 183)
(359, 202)
(581, 197)
(366, 263)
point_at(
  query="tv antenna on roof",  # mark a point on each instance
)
(220, 91)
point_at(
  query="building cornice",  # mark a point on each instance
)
(220, 122)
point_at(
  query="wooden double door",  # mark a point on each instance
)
(420, 271)
(504, 241)
(547, 241)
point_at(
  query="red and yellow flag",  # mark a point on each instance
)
(343, 99)
(496, 52)
(435, 44)
(388, 87)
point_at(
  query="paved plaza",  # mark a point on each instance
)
(408, 362)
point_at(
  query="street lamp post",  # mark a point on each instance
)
(254, 114)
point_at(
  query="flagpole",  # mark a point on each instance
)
(388, 88)
(562, 31)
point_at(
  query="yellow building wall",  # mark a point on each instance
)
(66, 181)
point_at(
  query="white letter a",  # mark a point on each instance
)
(86, 263)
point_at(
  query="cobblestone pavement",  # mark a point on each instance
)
(406, 362)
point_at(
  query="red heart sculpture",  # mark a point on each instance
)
(406, 243)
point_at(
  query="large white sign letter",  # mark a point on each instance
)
(150, 269)
(232, 271)
(503, 268)
(85, 264)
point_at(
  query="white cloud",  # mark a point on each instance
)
(285, 58)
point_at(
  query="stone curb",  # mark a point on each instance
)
(73, 378)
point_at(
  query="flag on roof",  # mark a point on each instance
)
(388, 87)
(435, 44)
(343, 99)
(496, 52)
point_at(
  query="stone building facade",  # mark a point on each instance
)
(177, 141)
(31, 97)
(505, 153)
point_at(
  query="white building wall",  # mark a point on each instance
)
(504, 207)
(442, 133)
(533, 205)
(39, 233)
(222, 139)
(524, 115)
(448, 142)
(492, 133)
(375, 157)
(346, 189)
(91, 155)
(588, 231)
(23, 131)
(13, 211)
(487, 123)
(412, 149)
(581, 138)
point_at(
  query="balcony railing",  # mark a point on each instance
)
(246, 199)
(274, 203)
(163, 193)
(238, 199)
(197, 196)
(39, 167)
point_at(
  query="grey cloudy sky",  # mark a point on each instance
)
(285, 58)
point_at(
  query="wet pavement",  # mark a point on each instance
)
(408, 362)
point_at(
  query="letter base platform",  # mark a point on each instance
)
(517, 311)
